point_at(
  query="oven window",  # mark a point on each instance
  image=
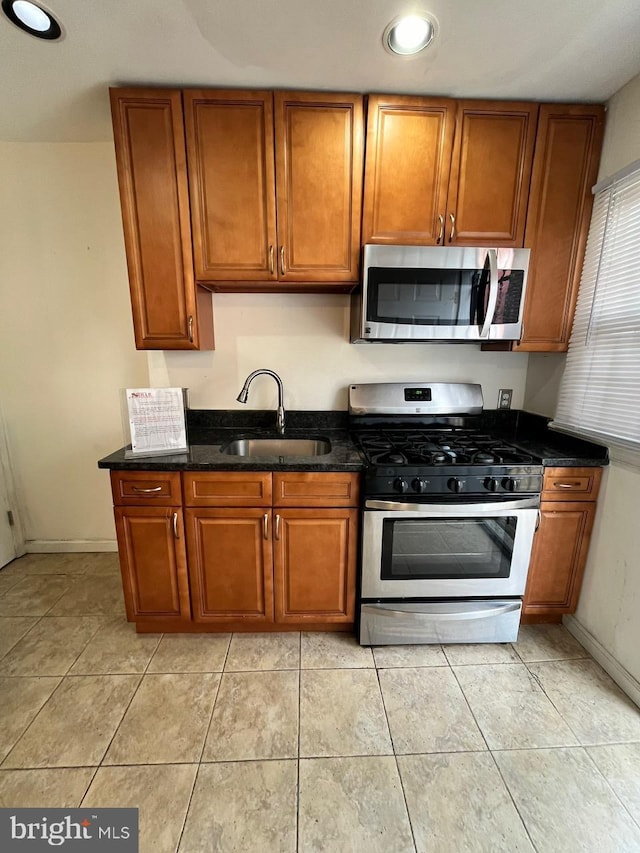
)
(447, 548)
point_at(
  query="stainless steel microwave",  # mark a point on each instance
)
(416, 294)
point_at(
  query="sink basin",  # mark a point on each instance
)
(278, 447)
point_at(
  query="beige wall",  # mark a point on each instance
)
(609, 605)
(65, 334)
(305, 340)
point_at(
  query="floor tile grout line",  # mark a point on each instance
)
(611, 788)
(28, 631)
(538, 681)
(395, 760)
(512, 798)
(35, 717)
(204, 744)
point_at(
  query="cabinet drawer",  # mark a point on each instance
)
(160, 488)
(227, 488)
(571, 484)
(315, 489)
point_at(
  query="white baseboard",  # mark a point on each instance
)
(61, 546)
(623, 678)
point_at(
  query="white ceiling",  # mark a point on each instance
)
(573, 50)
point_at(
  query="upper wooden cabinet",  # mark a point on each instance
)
(442, 172)
(261, 158)
(169, 311)
(564, 170)
(490, 173)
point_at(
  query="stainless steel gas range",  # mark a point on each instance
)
(449, 517)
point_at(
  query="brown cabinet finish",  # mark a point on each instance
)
(230, 565)
(310, 489)
(564, 170)
(441, 172)
(253, 154)
(169, 312)
(159, 488)
(153, 563)
(409, 146)
(490, 173)
(227, 488)
(315, 564)
(319, 150)
(231, 179)
(561, 543)
(571, 484)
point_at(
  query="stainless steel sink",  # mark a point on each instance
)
(278, 447)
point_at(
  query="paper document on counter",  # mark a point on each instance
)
(156, 421)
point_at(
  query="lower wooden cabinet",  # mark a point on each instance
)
(250, 550)
(314, 565)
(561, 544)
(153, 561)
(230, 565)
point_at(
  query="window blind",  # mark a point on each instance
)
(600, 389)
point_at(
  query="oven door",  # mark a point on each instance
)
(425, 550)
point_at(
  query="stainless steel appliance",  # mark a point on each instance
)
(412, 294)
(449, 516)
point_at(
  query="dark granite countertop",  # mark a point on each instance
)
(531, 433)
(209, 430)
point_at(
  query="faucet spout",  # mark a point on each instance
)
(244, 394)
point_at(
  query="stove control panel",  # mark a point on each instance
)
(463, 483)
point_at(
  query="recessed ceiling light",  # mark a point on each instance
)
(410, 34)
(32, 19)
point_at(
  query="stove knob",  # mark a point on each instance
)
(455, 484)
(400, 485)
(491, 484)
(419, 485)
(510, 484)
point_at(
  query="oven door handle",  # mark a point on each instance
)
(388, 612)
(493, 292)
(447, 509)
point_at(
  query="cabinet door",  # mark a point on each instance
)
(314, 564)
(230, 565)
(319, 151)
(564, 170)
(490, 173)
(409, 145)
(559, 555)
(153, 563)
(168, 311)
(232, 183)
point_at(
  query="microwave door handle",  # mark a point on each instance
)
(493, 292)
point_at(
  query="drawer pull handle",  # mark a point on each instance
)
(270, 260)
(146, 491)
(175, 525)
(265, 525)
(190, 329)
(277, 527)
(283, 269)
(575, 485)
(441, 232)
(453, 227)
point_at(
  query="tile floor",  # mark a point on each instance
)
(285, 742)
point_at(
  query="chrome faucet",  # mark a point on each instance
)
(243, 395)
